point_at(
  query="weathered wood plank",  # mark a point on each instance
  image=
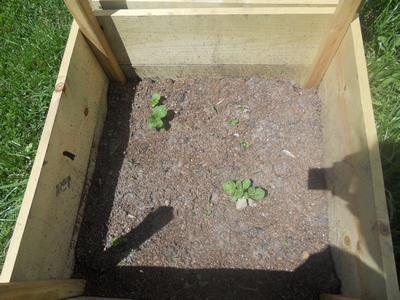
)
(360, 236)
(41, 241)
(157, 4)
(46, 289)
(89, 26)
(295, 73)
(341, 21)
(196, 38)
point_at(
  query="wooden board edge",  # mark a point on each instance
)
(360, 240)
(47, 289)
(69, 267)
(217, 11)
(176, 72)
(39, 159)
(154, 4)
(388, 262)
(21, 264)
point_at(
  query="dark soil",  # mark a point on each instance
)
(157, 194)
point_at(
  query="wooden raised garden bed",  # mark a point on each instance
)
(314, 43)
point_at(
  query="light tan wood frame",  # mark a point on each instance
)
(287, 40)
(157, 4)
(43, 237)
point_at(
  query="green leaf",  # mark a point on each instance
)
(154, 122)
(239, 185)
(160, 111)
(229, 187)
(234, 198)
(155, 98)
(233, 121)
(239, 194)
(252, 192)
(246, 184)
(259, 193)
(246, 195)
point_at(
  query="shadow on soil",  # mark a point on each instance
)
(105, 278)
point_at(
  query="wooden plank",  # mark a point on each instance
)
(341, 21)
(295, 73)
(42, 237)
(360, 238)
(89, 26)
(154, 4)
(195, 38)
(46, 289)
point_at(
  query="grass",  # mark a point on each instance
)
(381, 33)
(32, 40)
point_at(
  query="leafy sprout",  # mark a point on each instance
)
(233, 121)
(244, 144)
(155, 98)
(241, 189)
(156, 117)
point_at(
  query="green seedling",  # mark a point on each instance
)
(119, 240)
(200, 281)
(244, 144)
(129, 162)
(207, 213)
(241, 189)
(155, 98)
(111, 133)
(212, 107)
(155, 120)
(233, 121)
(285, 243)
(188, 286)
(113, 149)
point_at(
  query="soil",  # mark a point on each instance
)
(157, 224)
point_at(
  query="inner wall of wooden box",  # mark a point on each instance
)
(275, 46)
(266, 42)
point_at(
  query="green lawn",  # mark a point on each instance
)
(32, 39)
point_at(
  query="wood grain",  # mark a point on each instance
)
(341, 21)
(39, 290)
(360, 238)
(192, 39)
(157, 4)
(89, 26)
(41, 241)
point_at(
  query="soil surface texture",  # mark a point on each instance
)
(157, 224)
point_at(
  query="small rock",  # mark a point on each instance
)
(305, 255)
(128, 197)
(167, 202)
(214, 197)
(241, 203)
(252, 203)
